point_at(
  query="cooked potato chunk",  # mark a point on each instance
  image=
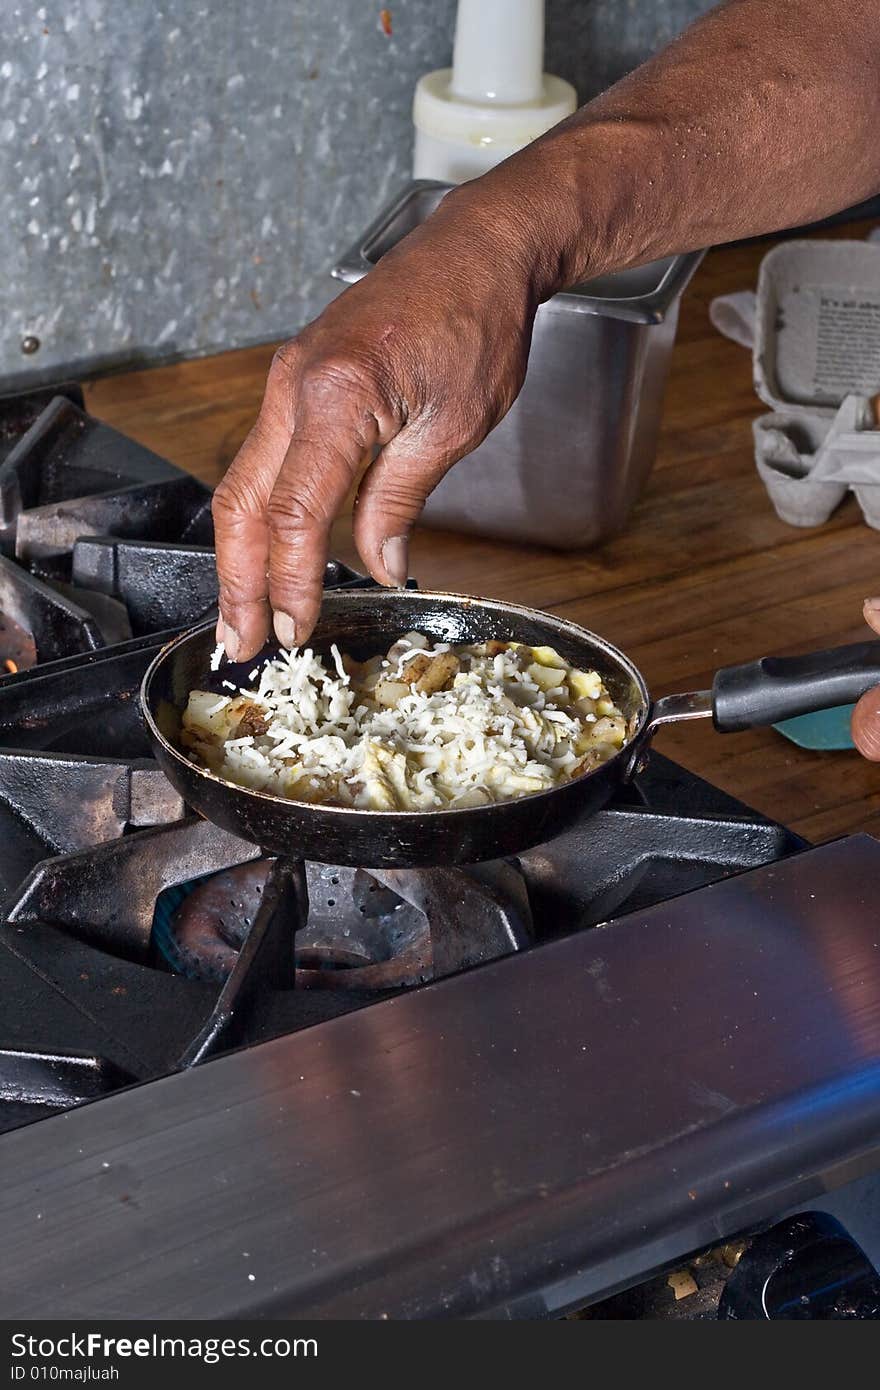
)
(414, 667)
(611, 729)
(585, 685)
(389, 692)
(546, 656)
(547, 677)
(438, 674)
(207, 713)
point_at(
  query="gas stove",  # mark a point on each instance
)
(506, 1090)
(140, 939)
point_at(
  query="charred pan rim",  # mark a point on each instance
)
(389, 597)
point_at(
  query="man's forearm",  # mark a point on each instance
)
(763, 114)
(767, 112)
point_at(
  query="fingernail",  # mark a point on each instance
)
(285, 629)
(231, 642)
(395, 558)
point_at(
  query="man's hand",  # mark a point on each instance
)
(866, 715)
(763, 114)
(420, 359)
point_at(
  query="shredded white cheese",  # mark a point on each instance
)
(498, 728)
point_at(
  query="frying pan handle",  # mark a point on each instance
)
(779, 687)
(671, 709)
(769, 690)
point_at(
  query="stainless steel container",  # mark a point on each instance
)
(567, 463)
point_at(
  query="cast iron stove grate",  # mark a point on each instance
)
(93, 837)
(100, 539)
(107, 550)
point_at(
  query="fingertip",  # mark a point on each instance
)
(285, 629)
(866, 725)
(245, 628)
(296, 607)
(389, 502)
(232, 644)
(372, 560)
(394, 555)
(383, 542)
(871, 610)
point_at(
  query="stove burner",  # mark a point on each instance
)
(212, 921)
(360, 934)
(367, 930)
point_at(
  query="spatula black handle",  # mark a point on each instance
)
(779, 687)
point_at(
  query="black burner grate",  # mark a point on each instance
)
(108, 551)
(72, 489)
(85, 866)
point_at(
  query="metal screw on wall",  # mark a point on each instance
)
(30, 345)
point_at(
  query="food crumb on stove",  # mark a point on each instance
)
(682, 1283)
(355, 1093)
(252, 1277)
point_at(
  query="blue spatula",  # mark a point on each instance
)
(826, 730)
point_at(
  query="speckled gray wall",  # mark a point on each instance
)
(176, 177)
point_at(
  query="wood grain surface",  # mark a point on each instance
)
(705, 574)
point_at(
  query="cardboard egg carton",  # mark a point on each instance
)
(815, 326)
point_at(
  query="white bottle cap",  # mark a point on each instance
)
(494, 99)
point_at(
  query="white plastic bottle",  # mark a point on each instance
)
(494, 99)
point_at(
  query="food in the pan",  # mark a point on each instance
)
(426, 727)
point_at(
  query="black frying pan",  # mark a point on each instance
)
(364, 623)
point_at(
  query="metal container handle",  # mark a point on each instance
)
(355, 263)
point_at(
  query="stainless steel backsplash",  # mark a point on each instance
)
(176, 177)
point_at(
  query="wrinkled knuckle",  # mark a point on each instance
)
(238, 582)
(237, 590)
(400, 494)
(233, 498)
(225, 501)
(292, 511)
(337, 373)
